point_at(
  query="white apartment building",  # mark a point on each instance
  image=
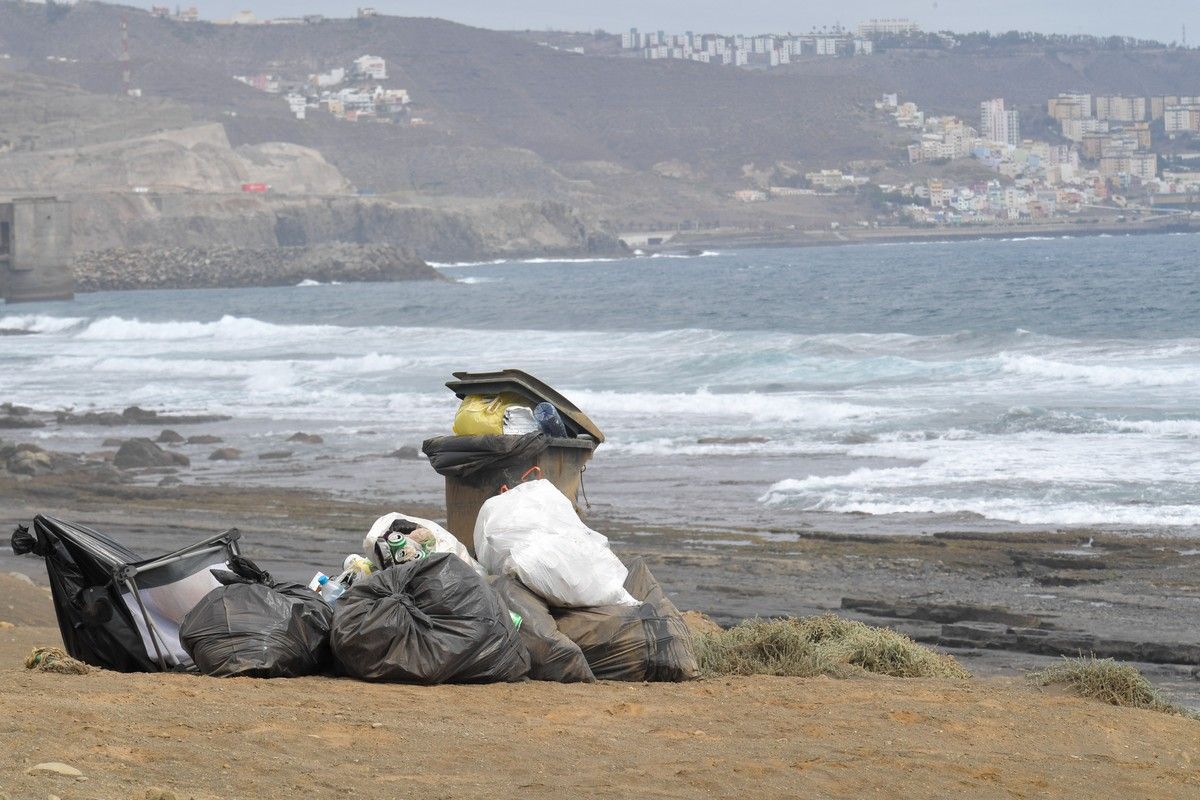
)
(1121, 109)
(998, 124)
(372, 67)
(888, 27)
(1181, 120)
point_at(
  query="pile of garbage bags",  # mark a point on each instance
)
(547, 600)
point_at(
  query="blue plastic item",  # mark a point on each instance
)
(549, 420)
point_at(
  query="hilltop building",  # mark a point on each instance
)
(888, 27)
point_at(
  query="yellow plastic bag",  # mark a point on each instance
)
(483, 415)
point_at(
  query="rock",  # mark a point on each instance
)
(136, 414)
(193, 267)
(225, 454)
(274, 455)
(138, 453)
(13, 421)
(6, 626)
(112, 443)
(204, 438)
(948, 613)
(169, 437)
(406, 453)
(29, 462)
(54, 768)
(170, 481)
(306, 438)
(158, 794)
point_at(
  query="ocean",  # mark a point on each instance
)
(1036, 383)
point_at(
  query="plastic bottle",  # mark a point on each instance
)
(549, 420)
(315, 583)
(330, 590)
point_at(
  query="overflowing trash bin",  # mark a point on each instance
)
(493, 447)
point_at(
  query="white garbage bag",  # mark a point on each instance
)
(446, 541)
(532, 533)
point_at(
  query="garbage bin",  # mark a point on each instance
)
(562, 462)
(502, 460)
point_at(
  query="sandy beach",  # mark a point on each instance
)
(177, 736)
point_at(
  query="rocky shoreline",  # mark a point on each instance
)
(1003, 602)
(217, 267)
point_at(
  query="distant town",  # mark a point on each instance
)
(353, 92)
(1103, 156)
(768, 50)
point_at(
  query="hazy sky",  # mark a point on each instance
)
(1159, 19)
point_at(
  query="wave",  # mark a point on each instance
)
(1099, 374)
(452, 264)
(473, 280)
(39, 323)
(797, 410)
(310, 282)
(227, 327)
(1024, 511)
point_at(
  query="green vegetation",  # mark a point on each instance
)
(1104, 679)
(827, 645)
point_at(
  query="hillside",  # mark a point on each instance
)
(624, 144)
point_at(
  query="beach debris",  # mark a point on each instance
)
(141, 453)
(646, 642)
(384, 628)
(54, 768)
(169, 436)
(552, 656)
(55, 659)
(532, 533)
(225, 454)
(306, 438)
(254, 626)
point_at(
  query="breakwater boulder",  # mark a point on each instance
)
(219, 267)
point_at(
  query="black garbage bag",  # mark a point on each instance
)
(434, 620)
(648, 642)
(476, 460)
(255, 627)
(552, 656)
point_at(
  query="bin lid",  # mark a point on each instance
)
(529, 387)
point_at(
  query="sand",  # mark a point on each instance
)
(157, 736)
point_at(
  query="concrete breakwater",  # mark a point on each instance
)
(211, 267)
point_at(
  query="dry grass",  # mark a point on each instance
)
(827, 645)
(1106, 680)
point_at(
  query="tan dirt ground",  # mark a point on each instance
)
(156, 736)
